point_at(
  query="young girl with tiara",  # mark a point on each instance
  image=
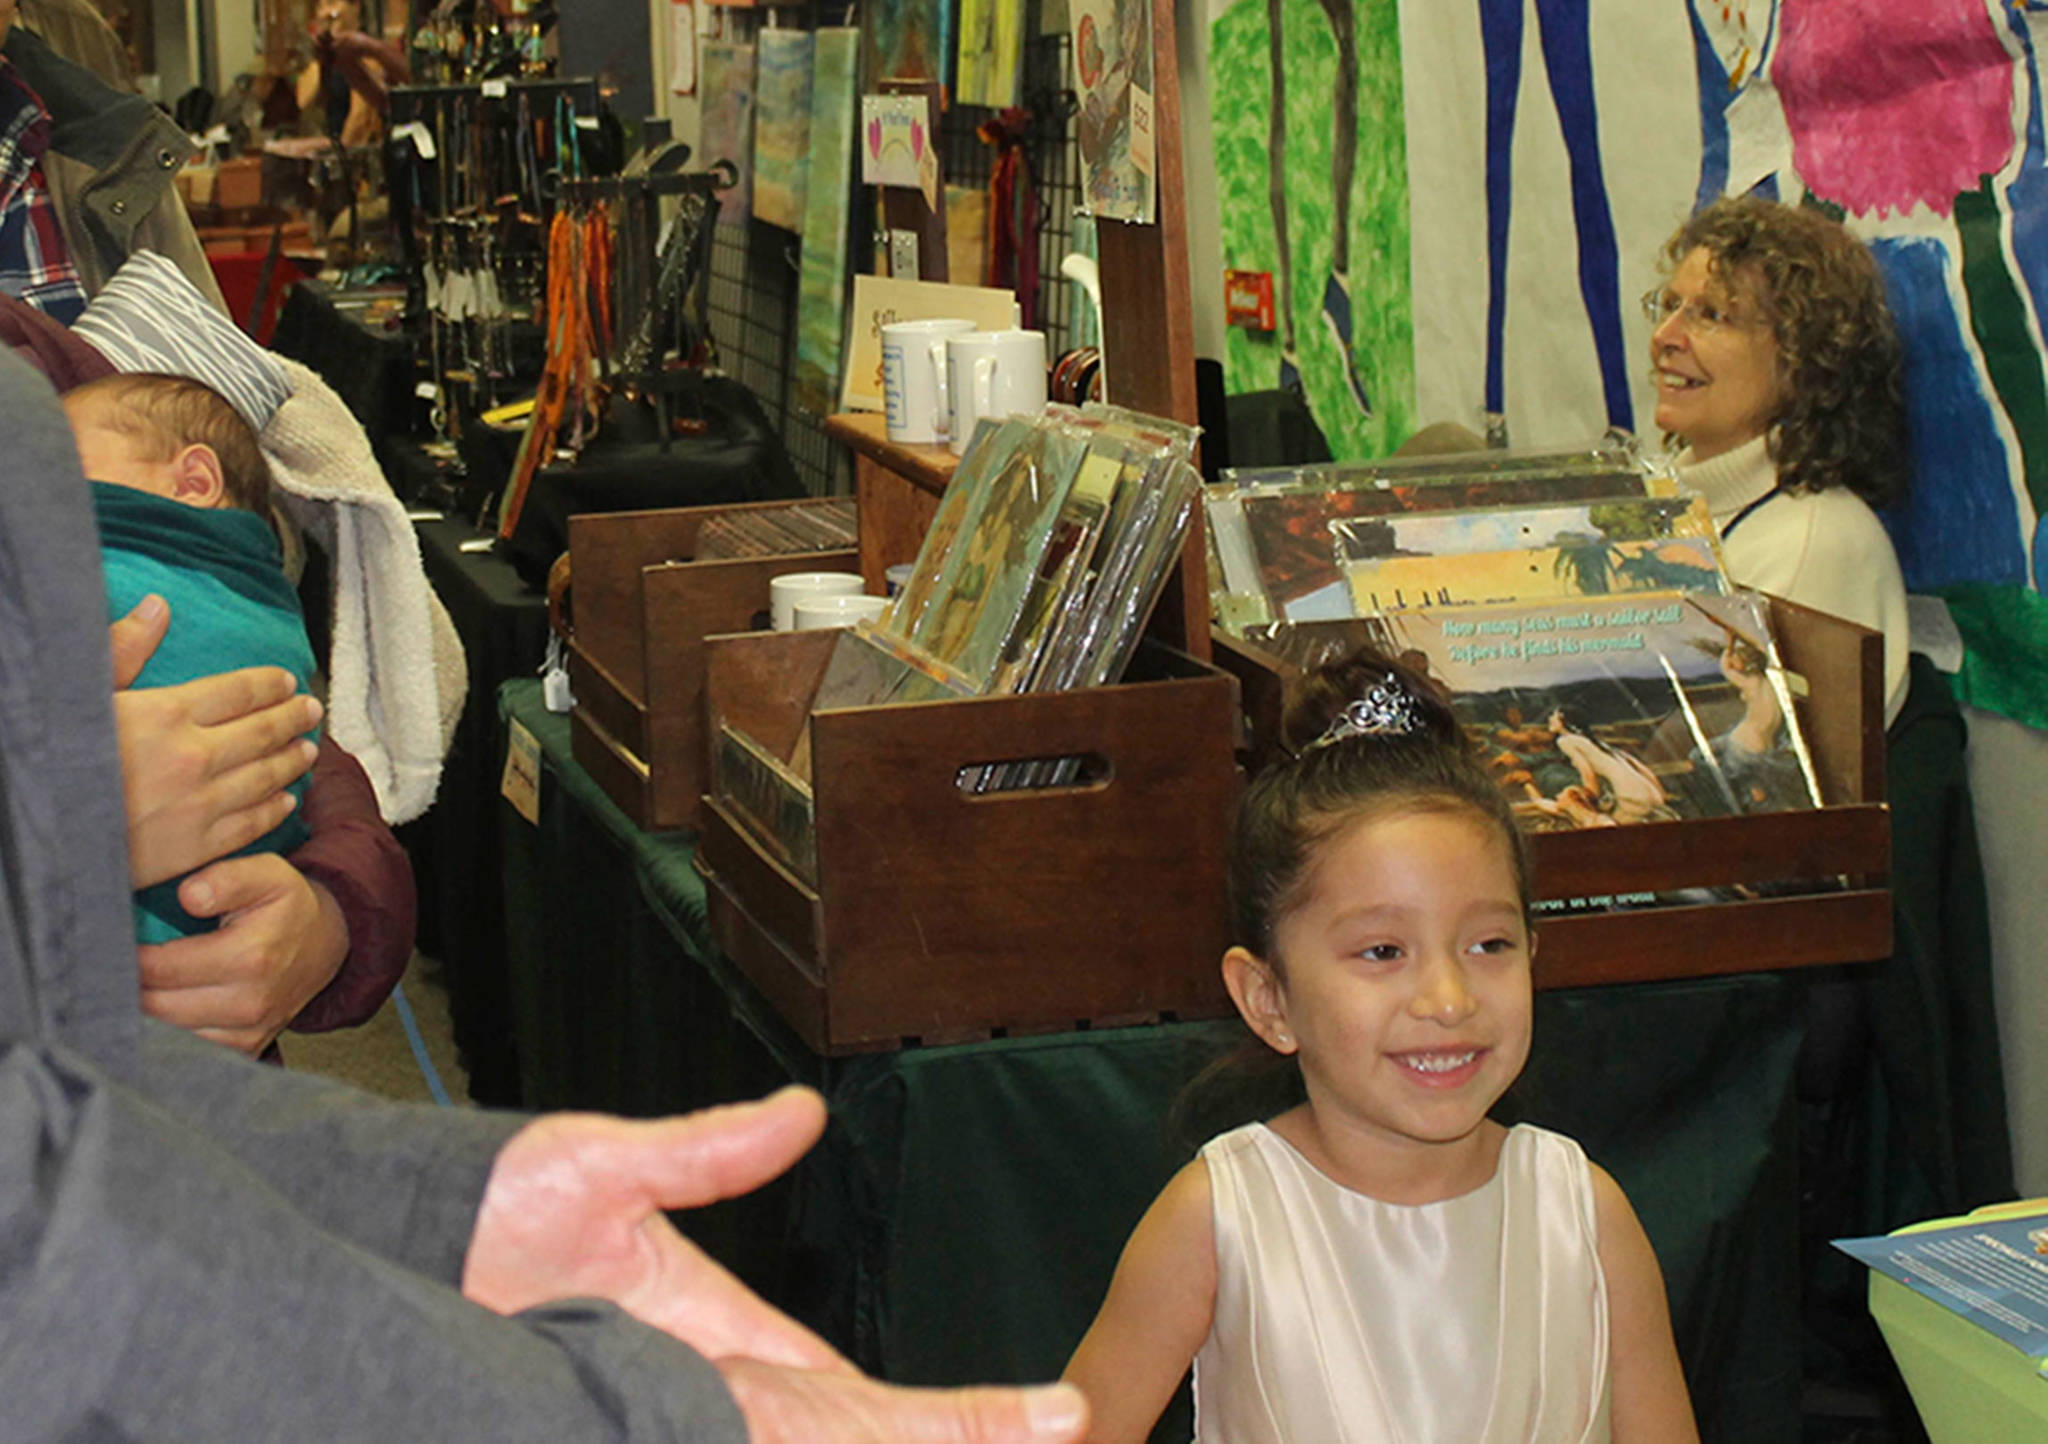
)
(1383, 1262)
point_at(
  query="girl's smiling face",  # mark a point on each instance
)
(1715, 359)
(1404, 983)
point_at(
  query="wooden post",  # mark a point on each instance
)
(1148, 324)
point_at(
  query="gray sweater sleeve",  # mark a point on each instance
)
(402, 1180)
(153, 1288)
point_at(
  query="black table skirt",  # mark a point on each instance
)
(454, 847)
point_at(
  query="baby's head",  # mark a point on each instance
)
(1380, 898)
(169, 436)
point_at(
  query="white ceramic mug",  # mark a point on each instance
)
(914, 377)
(992, 374)
(785, 591)
(815, 612)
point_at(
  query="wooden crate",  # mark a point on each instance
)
(1848, 836)
(642, 608)
(939, 915)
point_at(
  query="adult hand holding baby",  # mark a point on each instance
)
(203, 763)
(280, 940)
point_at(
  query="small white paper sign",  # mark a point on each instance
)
(895, 140)
(682, 47)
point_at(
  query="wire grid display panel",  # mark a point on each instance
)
(752, 307)
(1055, 160)
(753, 286)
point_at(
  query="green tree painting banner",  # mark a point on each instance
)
(1277, 192)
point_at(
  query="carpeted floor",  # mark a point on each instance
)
(378, 1057)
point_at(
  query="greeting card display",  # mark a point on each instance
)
(979, 597)
(1038, 573)
(908, 815)
(1050, 548)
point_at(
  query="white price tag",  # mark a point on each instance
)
(586, 122)
(427, 391)
(494, 90)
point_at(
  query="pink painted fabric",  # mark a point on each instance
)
(1894, 101)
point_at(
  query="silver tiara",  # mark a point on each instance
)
(1387, 708)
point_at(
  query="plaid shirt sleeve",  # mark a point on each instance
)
(35, 264)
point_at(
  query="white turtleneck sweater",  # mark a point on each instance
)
(1826, 550)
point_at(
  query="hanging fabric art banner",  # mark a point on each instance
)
(1313, 190)
(782, 126)
(906, 40)
(991, 58)
(1468, 240)
(828, 203)
(726, 130)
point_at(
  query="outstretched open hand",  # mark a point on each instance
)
(574, 1209)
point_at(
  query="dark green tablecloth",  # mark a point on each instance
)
(961, 1218)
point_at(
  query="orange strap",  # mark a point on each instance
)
(551, 397)
(579, 314)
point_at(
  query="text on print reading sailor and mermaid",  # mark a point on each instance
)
(1559, 634)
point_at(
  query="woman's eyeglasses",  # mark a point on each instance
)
(1699, 316)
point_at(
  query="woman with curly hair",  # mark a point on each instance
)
(1778, 367)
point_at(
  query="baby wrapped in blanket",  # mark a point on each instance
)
(182, 495)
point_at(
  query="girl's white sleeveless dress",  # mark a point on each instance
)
(1340, 1319)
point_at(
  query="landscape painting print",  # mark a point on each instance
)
(1475, 557)
(821, 283)
(782, 126)
(728, 121)
(1289, 528)
(1628, 710)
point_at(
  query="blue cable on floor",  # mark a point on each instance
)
(419, 1046)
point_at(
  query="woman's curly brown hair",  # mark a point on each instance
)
(1843, 422)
